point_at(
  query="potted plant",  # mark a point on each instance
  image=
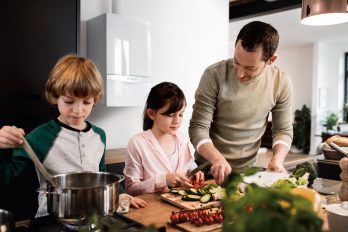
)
(330, 121)
(302, 129)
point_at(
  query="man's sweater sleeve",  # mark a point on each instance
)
(282, 115)
(203, 108)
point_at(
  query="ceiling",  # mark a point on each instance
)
(240, 9)
(287, 21)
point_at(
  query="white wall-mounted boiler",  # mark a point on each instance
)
(120, 46)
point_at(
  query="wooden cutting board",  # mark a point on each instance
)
(190, 205)
(188, 226)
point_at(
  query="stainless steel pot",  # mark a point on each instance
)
(79, 195)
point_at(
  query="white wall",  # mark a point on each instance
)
(298, 63)
(187, 36)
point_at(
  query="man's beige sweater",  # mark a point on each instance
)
(234, 115)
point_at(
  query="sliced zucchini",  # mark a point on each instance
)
(213, 190)
(174, 191)
(191, 197)
(193, 191)
(182, 192)
(201, 191)
(205, 198)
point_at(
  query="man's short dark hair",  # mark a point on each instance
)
(256, 34)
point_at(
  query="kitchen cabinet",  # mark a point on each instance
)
(34, 35)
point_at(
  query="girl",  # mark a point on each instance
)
(68, 143)
(159, 156)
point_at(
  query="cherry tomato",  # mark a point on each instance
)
(218, 218)
(249, 209)
(199, 222)
(174, 218)
(209, 220)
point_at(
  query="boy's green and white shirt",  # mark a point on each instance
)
(61, 149)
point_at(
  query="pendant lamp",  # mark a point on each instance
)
(324, 12)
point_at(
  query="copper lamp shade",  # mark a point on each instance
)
(324, 12)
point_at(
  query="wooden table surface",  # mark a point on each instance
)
(157, 212)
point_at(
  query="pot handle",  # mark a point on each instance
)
(44, 191)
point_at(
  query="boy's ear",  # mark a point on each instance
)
(150, 113)
(54, 101)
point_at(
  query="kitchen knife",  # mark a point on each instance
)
(197, 169)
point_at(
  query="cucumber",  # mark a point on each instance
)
(174, 191)
(205, 198)
(201, 191)
(182, 192)
(193, 191)
(191, 197)
(213, 190)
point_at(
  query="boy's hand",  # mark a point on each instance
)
(11, 136)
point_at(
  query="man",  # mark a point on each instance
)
(233, 102)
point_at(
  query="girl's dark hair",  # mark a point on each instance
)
(256, 34)
(159, 96)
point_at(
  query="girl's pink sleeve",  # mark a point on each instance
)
(134, 173)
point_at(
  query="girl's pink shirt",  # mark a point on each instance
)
(147, 165)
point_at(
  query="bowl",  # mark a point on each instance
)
(332, 154)
(337, 215)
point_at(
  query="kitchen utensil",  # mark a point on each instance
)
(332, 154)
(337, 215)
(81, 195)
(338, 149)
(265, 178)
(6, 221)
(197, 169)
(38, 164)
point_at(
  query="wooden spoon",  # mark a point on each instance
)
(38, 164)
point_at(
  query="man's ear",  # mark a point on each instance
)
(150, 113)
(272, 59)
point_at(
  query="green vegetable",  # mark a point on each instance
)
(191, 197)
(301, 169)
(182, 192)
(205, 198)
(174, 191)
(287, 183)
(192, 190)
(266, 209)
(219, 194)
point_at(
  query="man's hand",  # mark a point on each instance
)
(220, 170)
(276, 166)
(277, 162)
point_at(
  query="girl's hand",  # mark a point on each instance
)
(133, 201)
(176, 179)
(198, 178)
(137, 202)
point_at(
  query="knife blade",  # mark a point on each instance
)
(197, 169)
